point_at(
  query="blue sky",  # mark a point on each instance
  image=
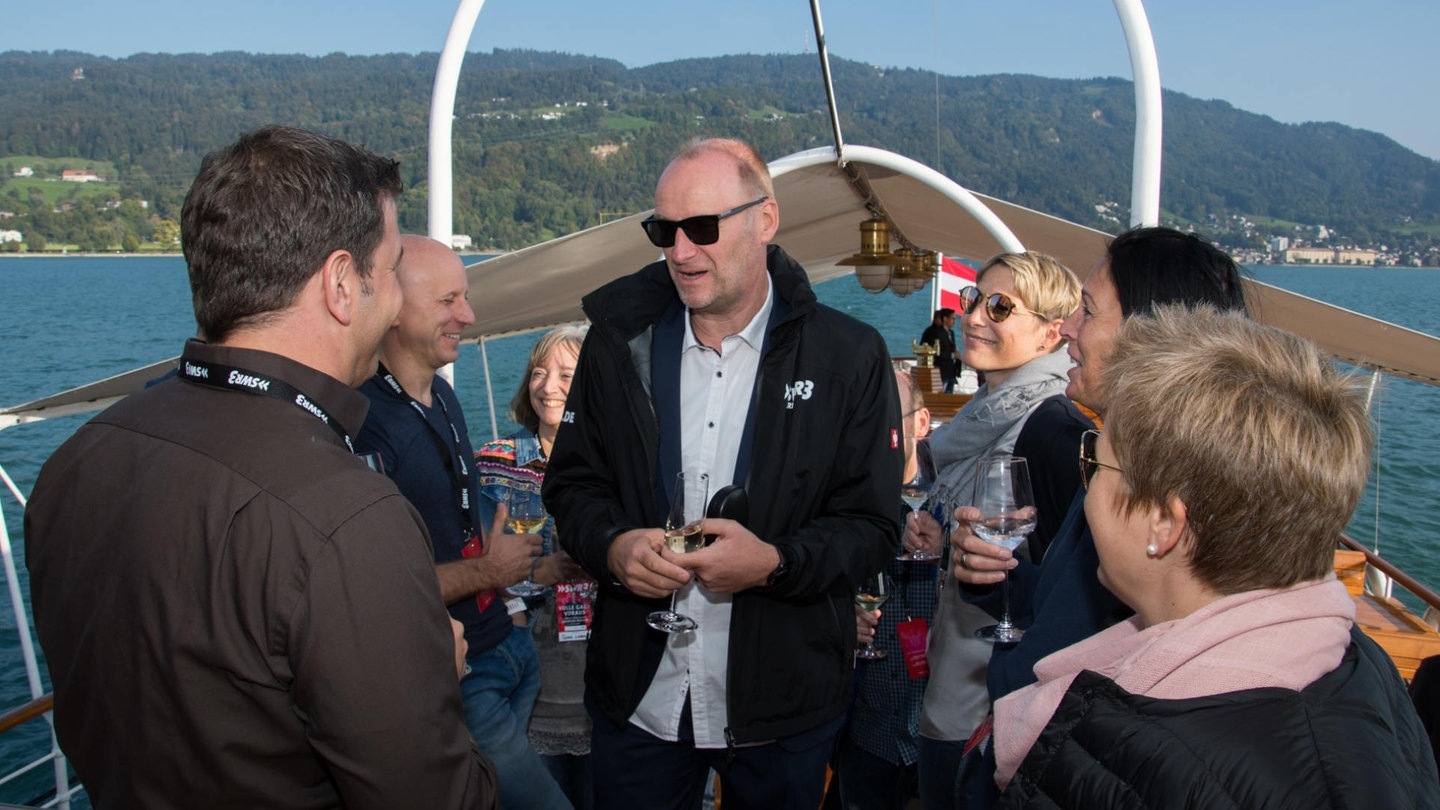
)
(1371, 64)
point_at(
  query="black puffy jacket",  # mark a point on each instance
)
(823, 478)
(1351, 739)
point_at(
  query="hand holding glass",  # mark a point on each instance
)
(1007, 517)
(525, 515)
(916, 494)
(870, 594)
(682, 536)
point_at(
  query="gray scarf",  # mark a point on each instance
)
(990, 423)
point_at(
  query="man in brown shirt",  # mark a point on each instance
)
(237, 611)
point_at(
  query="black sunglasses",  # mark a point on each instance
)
(1089, 462)
(998, 306)
(701, 230)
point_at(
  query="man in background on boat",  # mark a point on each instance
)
(417, 428)
(719, 360)
(941, 334)
(235, 609)
(875, 762)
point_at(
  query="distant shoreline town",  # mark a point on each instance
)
(1304, 257)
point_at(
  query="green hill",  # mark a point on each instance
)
(546, 143)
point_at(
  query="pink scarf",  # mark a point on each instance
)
(1286, 638)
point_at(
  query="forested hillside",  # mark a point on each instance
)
(546, 144)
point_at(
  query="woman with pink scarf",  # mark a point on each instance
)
(1232, 457)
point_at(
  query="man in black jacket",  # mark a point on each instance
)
(719, 361)
(941, 334)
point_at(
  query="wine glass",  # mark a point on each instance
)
(870, 594)
(525, 515)
(1007, 517)
(682, 536)
(916, 494)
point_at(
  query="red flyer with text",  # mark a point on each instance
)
(574, 608)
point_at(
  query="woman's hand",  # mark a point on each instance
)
(976, 561)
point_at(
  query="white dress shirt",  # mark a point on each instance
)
(715, 395)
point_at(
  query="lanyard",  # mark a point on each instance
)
(232, 378)
(457, 467)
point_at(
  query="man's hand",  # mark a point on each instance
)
(976, 561)
(557, 567)
(506, 561)
(461, 646)
(922, 533)
(507, 558)
(635, 559)
(865, 623)
(735, 561)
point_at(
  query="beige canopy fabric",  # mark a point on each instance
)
(820, 214)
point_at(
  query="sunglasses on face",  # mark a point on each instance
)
(701, 230)
(998, 306)
(1089, 462)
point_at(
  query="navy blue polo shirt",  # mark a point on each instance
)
(420, 456)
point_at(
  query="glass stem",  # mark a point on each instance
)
(1005, 601)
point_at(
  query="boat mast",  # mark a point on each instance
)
(441, 206)
(1145, 176)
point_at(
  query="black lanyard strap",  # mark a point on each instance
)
(458, 467)
(234, 378)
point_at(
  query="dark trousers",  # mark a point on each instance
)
(868, 782)
(635, 770)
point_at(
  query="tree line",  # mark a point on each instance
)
(546, 144)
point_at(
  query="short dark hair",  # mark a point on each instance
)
(265, 212)
(1152, 266)
(942, 313)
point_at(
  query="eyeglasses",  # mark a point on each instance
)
(1089, 462)
(998, 306)
(701, 230)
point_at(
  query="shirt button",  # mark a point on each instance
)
(712, 424)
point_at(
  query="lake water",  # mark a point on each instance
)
(67, 321)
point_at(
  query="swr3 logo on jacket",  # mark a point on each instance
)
(800, 389)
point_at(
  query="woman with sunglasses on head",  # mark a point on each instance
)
(1011, 331)
(1059, 600)
(1241, 680)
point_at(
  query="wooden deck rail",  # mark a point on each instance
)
(26, 713)
(1404, 580)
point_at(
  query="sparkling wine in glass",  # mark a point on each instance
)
(870, 594)
(1007, 516)
(525, 515)
(916, 495)
(682, 536)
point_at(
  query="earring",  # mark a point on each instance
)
(1152, 550)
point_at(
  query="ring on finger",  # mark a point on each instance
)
(964, 560)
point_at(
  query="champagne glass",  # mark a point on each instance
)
(870, 594)
(526, 515)
(682, 536)
(916, 495)
(1007, 517)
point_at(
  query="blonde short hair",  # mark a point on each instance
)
(1048, 287)
(520, 408)
(1252, 428)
